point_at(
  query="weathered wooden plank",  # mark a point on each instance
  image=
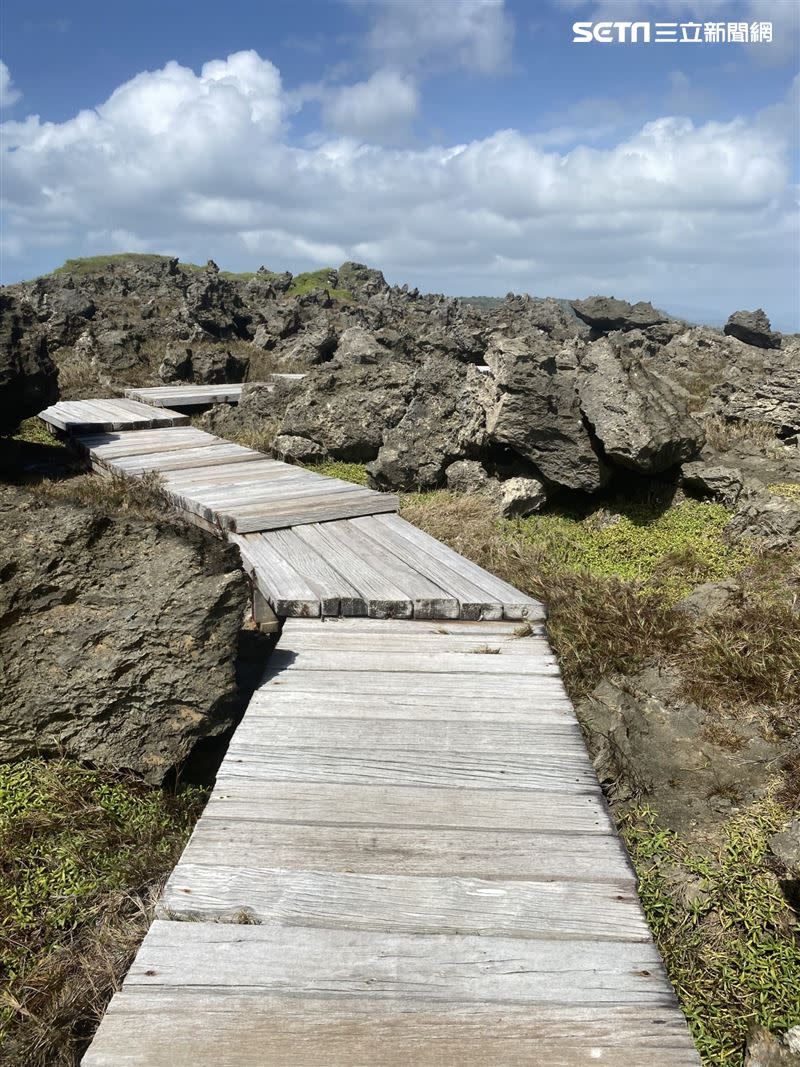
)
(318, 961)
(101, 415)
(460, 644)
(486, 665)
(249, 521)
(516, 605)
(191, 458)
(335, 592)
(280, 583)
(249, 842)
(324, 803)
(543, 770)
(439, 686)
(478, 631)
(475, 602)
(431, 600)
(382, 596)
(187, 395)
(397, 903)
(377, 735)
(229, 1028)
(281, 702)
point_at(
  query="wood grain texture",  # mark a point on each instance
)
(406, 858)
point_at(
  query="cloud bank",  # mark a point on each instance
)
(700, 218)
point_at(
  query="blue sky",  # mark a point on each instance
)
(465, 146)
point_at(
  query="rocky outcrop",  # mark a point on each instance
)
(28, 376)
(752, 327)
(647, 743)
(605, 314)
(537, 411)
(763, 386)
(522, 496)
(723, 484)
(345, 410)
(117, 636)
(205, 366)
(640, 416)
(445, 421)
(771, 521)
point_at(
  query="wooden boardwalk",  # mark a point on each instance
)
(179, 395)
(87, 416)
(406, 860)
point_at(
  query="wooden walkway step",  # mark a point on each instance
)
(89, 416)
(226, 486)
(177, 395)
(318, 545)
(406, 859)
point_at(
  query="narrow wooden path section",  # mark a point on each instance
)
(180, 395)
(406, 861)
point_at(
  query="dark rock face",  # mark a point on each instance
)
(205, 366)
(641, 417)
(346, 409)
(28, 377)
(605, 314)
(771, 521)
(720, 483)
(763, 386)
(537, 412)
(444, 422)
(752, 327)
(767, 1050)
(117, 637)
(648, 743)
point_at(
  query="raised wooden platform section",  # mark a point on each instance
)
(406, 860)
(380, 566)
(177, 395)
(90, 416)
(186, 396)
(227, 486)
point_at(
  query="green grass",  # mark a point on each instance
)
(791, 490)
(664, 551)
(81, 853)
(318, 279)
(348, 472)
(730, 946)
(86, 265)
(33, 431)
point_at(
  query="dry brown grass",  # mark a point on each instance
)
(598, 626)
(142, 497)
(725, 434)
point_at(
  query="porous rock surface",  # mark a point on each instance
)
(117, 636)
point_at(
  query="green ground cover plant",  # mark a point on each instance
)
(82, 855)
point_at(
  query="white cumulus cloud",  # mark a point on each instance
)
(476, 35)
(377, 109)
(688, 215)
(9, 94)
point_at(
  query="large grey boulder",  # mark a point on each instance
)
(357, 345)
(345, 409)
(466, 476)
(640, 416)
(311, 346)
(752, 327)
(764, 1049)
(771, 521)
(28, 376)
(763, 386)
(606, 313)
(118, 636)
(723, 484)
(537, 411)
(650, 744)
(444, 421)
